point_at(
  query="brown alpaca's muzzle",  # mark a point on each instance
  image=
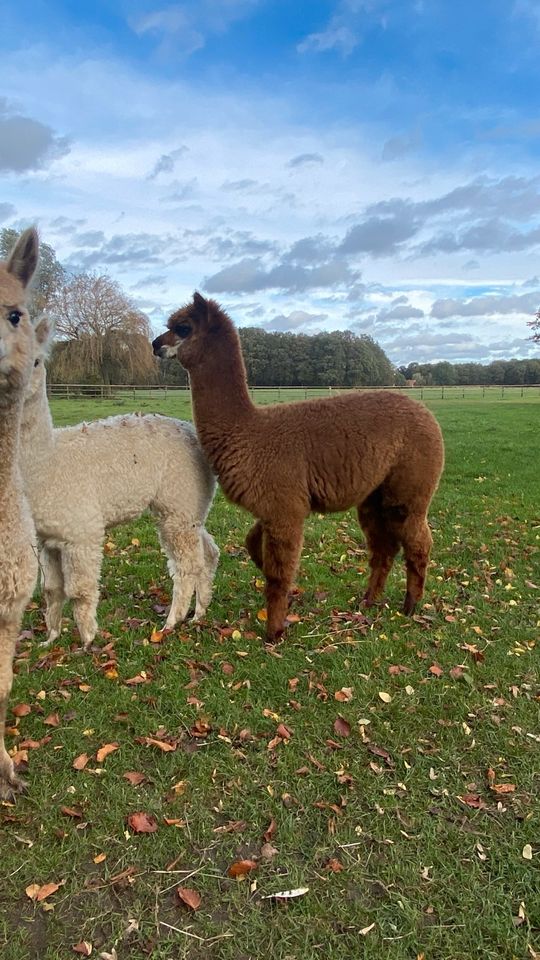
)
(165, 345)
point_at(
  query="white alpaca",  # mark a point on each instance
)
(18, 554)
(82, 480)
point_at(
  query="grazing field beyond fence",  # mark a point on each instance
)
(386, 769)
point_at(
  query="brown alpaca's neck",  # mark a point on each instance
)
(222, 406)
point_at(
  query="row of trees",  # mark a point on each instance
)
(297, 360)
(102, 337)
(449, 374)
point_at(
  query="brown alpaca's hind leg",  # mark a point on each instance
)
(254, 544)
(383, 544)
(281, 550)
(417, 541)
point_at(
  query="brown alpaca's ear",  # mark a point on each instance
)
(199, 309)
(22, 261)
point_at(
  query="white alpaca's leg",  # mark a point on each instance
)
(10, 783)
(183, 545)
(81, 566)
(53, 592)
(204, 585)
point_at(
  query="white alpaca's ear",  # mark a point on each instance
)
(44, 329)
(22, 261)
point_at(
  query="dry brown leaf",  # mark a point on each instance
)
(473, 800)
(268, 851)
(191, 898)
(334, 865)
(84, 948)
(436, 670)
(21, 710)
(53, 720)
(105, 750)
(344, 695)
(342, 727)
(39, 893)
(74, 812)
(241, 867)
(142, 822)
(80, 762)
(283, 732)
(270, 830)
(134, 777)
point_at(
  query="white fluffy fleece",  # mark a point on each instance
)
(82, 480)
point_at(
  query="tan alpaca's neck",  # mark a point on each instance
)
(37, 434)
(10, 416)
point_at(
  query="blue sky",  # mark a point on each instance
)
(361, 164)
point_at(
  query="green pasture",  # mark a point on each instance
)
(391, 766)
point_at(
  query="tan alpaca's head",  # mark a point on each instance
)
(192, 331)
(17, 338)
(44, 335)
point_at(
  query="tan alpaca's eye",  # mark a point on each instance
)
(36, 363)
(182, 330)
(14, 316)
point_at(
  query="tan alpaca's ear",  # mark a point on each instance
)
(22, 261)
(44, 329)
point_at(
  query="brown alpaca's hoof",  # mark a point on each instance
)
(10, 786)
(409, 605)
(368, 600)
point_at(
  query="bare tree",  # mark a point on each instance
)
(100, 333)
(535, 327)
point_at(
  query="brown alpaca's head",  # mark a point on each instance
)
(17, 338)
(192, 331)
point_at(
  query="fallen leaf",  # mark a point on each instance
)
(53, 720)
(142, 822)
(21, 710)
(157, 636)
(283, 732)
(80, 762)
(366, 930)
(385, 697)
(74, 812)
(160, 744)
(527, 852)
(84, 948)
(334, 865)
(473, 800)
(39, 893)
(105, 750)
(342, 727)
(270, 830)
(286, 894)
(99, 858)
(190, 897)
(262, 615)
(134, 777)
(268, 851)
(241, 867)
(344, 695)
(436, 670)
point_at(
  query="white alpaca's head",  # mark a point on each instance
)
(44, 336)
(17, 337)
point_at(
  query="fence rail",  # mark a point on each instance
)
(100, 391)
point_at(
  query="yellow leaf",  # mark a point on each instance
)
(262, 615)
(527, 853)
(385, 697)
(100, 857)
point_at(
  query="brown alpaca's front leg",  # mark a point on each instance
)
(281, 550)
(254, 545)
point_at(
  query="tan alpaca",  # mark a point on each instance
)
(18, 557)
(376, 450)
(82, 480)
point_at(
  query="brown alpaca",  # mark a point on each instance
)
(376, 450)
(18, 554)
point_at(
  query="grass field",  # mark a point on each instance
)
(390, 766)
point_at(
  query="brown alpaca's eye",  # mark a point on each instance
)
(14, 316)
(182, 330)
(36, 363)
